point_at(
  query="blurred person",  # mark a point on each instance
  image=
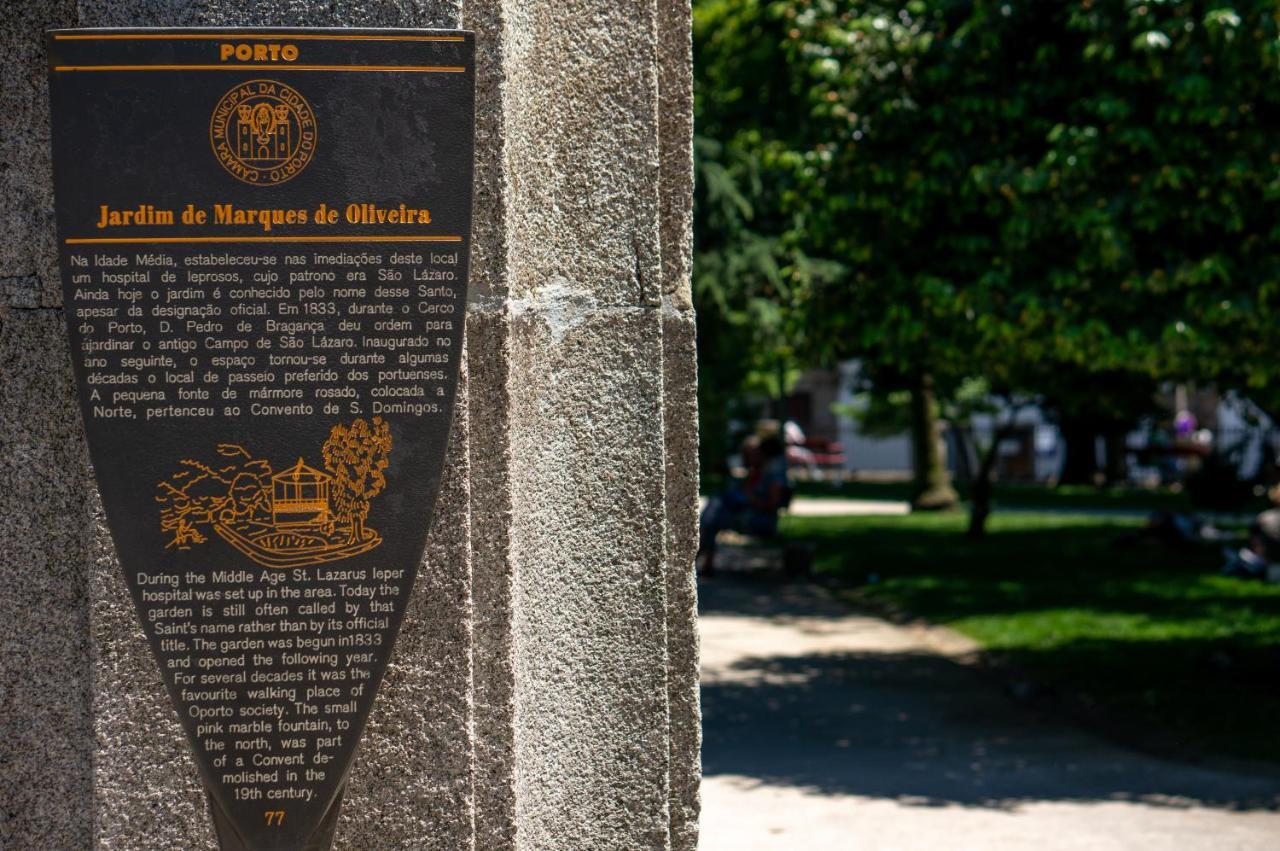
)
(1184, 425)
(750, 506)
(1263, 548)
(798, 451)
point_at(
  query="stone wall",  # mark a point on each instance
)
(543, 693)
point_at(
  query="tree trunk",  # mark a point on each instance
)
(932, 487)
(963, 459)
(980, 507)
(983, 484)
(1117, 468)
(1081, 462)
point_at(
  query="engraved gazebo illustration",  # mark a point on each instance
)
(300, 516)
(300, 497)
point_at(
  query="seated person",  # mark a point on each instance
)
(1264, 533)
(750, 506)
(1263, 549)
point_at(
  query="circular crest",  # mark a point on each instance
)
(263, 132)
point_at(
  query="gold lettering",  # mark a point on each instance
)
(143, 214)
(261, 52)
(229, 214)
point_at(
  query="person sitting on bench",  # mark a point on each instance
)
(751, 506)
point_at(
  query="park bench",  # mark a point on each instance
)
(817, 459)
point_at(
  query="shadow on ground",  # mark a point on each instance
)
(904, 723)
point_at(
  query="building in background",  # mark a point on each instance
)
(1200, 423)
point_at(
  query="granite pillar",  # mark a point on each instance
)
(543, 693)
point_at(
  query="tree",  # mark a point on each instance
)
(1100, 404)
(356, 456)
(199, 496)
(751, 277)
(919, 112)
(1036, 196)
(748, 296)
(1029, 192)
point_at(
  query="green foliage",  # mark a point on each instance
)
(1072, 200)
(1025, 188)
(752, 277)
(878, 413)
(887, 413)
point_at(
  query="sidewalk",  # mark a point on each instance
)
(829, 730)
(802, 506)
(807, 506)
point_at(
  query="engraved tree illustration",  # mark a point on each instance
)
(200, 494)
(356, 456)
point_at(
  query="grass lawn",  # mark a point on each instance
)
(1075, 497)
(1163, 649)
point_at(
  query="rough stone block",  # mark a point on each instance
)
(46, 548)
(411, 785)
(543, 694)
(588, 552)
(28, 260)
(680, 426)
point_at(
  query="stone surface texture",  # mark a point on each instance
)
(543, 693)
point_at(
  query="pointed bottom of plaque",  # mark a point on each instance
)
(322, 840)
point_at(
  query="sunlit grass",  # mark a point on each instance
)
(1150, 635)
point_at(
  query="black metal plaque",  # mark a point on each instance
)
(264, 239)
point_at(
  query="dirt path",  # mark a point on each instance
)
(828, 730)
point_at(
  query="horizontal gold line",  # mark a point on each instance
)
(283, 36)
(117, 240)
(441, 69)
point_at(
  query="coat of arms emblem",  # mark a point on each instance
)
(263, 132)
